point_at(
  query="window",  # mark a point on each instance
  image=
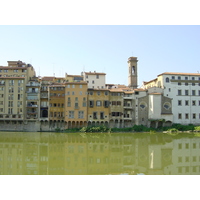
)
(167, 80)
(194, 115)
(80, 114)
(194, 146)
(179, 102)
(186, 92)
(193, 92)
(73, 93)
(193, 84)
(80, 93)
(106, 93)
(97, 76)
(76, 105)
(194, 159)
(186, 102)
(180, 116)
(179, 169)
(91, 103)
(186, 116)
(106, 104)
(94, 115)
(71, 114)
(186, 78)
(194, 103)
(179, 83)
(193, 78)
(101, 115)
(179, 78)
(173, 77)
(187, 145)
(187, 159)
(11, 82)
(93, 82)
(98, 103)
(98, 93)
(179, 159)
(80, 86)
(179, 92)
(179, 146)
(91, 92)
(186, 84)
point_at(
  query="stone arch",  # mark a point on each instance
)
(168, 123)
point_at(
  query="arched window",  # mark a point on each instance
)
(167, 80)
(133, 69)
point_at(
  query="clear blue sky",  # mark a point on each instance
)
(72, 49)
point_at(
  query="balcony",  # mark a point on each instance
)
(128, 97)
(127, 117)
(33, 84)
(32, 91)
(11, 117)
(128, 106)
(44, 96)
(31, 105)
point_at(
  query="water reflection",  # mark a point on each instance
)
(60, 154)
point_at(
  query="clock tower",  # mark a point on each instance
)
(132, 72)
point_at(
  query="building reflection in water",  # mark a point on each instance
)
(75, 154)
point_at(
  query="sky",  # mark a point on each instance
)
(59, 49)
(59, 37)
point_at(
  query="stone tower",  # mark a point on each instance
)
(132, 72)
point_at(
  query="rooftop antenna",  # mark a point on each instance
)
(53, 69)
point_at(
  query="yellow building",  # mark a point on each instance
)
(56, 102)
(98, 107)
(116, 107)
(76, 104)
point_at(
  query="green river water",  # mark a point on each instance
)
(47, 153)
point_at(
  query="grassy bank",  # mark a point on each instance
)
(175, 128)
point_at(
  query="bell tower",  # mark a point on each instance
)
(132, 72)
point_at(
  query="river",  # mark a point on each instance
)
(47, 153)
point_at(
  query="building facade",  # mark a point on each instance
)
(184, 90)
(30, 103)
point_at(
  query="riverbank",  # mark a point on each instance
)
(175, 128)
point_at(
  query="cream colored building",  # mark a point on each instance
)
(95, 80)
(183, 89)
(13, 81)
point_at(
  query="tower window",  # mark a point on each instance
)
(133, 70)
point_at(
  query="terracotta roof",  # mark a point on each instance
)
(139, 89)
(94, 73)
(2, 67)
(12, 77)
(146, 82)
(73, 75)
(156, 93)
(48, 78)
(116, 90)
(180, 73)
